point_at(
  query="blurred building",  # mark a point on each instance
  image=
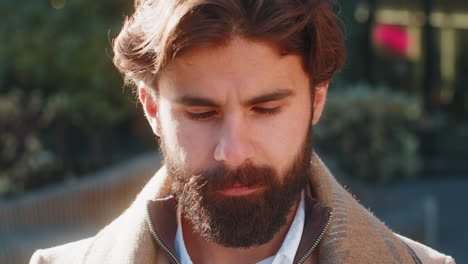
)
(419, 47)
(444, 41)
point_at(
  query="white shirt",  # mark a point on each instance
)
(285, 254)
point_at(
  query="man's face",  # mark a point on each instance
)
(234, 123)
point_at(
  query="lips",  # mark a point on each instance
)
(240, 190)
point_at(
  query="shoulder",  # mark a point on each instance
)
(63, 253)
(427, 254)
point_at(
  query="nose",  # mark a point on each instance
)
(234, 145)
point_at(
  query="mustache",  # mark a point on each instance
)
(247, 175)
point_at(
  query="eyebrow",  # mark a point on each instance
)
(274, 96)
(200, 101)
(195, 101)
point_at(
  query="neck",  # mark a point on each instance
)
(203, 251)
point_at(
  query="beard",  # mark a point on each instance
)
(239, 221)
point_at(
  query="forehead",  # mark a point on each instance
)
(243, 66)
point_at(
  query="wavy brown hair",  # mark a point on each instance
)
(161, 30)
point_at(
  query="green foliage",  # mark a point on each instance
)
(371, 133)
(450, 135)
(61, 98)
(65, 51)
(23, 157)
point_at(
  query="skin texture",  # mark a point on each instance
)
(227, 105)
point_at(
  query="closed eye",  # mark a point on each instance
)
(267, 111)
(201, 116)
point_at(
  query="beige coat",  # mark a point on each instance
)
(353, 236)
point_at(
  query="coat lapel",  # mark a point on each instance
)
(128, 239)
(355, 235)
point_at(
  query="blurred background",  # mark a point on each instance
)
(75, 148)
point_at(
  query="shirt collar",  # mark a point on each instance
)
(180, 248)
(288, 249)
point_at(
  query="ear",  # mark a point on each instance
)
(319, 101)
(148, 101)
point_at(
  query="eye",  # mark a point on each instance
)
(266, 111)
(201, 116)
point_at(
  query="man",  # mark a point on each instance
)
(232, 88)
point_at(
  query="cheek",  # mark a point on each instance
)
(282, 138)
(193, 143)
(170, 134)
